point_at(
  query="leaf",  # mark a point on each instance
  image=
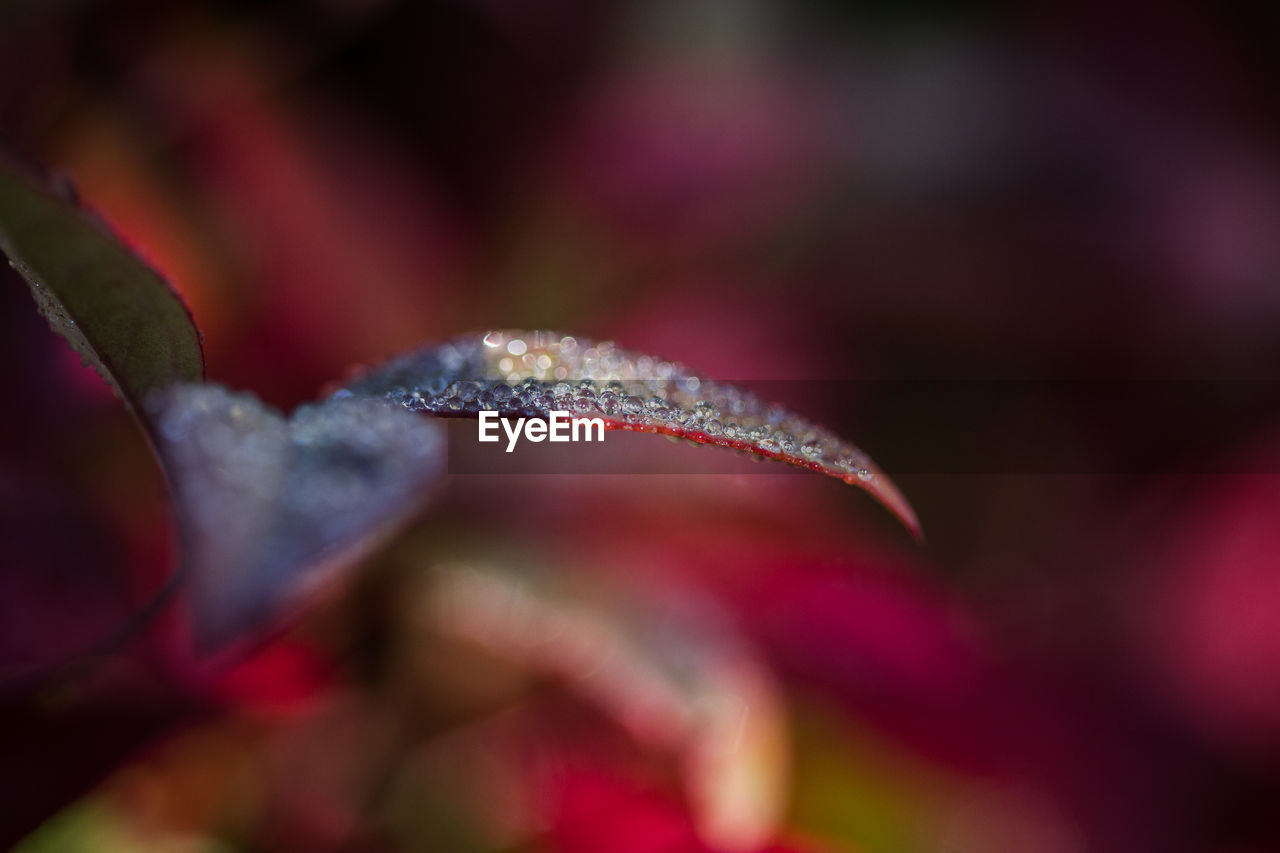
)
(271, 508)
(115, 311)
(268, 507)
(667, 665)
(530, 374)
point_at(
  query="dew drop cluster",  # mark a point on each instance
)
(529, 374)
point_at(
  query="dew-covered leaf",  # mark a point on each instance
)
(114, 310)
(530, 374)
(269, 508)
(669, 667)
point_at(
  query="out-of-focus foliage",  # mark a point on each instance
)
(852, 195)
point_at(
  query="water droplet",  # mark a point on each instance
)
(535, 372)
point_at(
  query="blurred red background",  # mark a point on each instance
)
(1084, 656)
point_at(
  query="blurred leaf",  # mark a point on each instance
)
(854, 786)
(115, 311)
(93, 825)
(271, 508)
(670, 668)
(529, 374)
(87, 825)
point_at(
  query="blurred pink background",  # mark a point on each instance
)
(1084, 656)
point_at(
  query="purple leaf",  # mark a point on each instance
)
(533, 373)
(271, 508)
